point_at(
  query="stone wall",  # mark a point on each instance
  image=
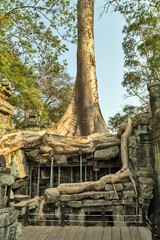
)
(154, 91)
(6, 109)
(9, 226)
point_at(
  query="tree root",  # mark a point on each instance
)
(121, 176)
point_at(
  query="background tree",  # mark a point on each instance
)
(56, 87)
(127, 111)
(30, 33)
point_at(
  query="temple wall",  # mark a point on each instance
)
(154, 91)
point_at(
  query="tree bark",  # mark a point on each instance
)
(83, 116)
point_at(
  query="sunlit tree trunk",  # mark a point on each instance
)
(83, 116)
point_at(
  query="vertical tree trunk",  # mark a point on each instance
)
(83, 116)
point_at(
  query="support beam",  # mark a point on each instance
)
(38, 180)
(85, 178)
(71, 174)
(80, 156)
(30, 183)
(91, 175)
(59, 175)
(51, 173)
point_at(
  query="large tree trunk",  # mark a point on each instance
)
(83, 116)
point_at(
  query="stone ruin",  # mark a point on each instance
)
(35, 177)
(6, 109)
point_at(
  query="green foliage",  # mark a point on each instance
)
(56, 89)
(30, 28)
(32, 33)
(128, 111)
(25, 96)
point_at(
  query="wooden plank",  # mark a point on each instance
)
(72, 233)
(125, 233)
(89, 233)
(144, 233)
(107, 233)
(45, 234)
(38, 232)
(54, 233)
(134, 233)
(116, 234)
(80, 233)
(65, 230)
(98, 233)
(29, 231)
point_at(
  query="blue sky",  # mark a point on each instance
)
(109, 61)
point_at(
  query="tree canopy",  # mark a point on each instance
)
(32, 34)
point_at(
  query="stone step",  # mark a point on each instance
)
(20, 197)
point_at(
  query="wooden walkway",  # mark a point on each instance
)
(85, 233)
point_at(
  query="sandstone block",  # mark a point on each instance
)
(7, 216)
(6, 179)
(107, 153)
(127, 186)
(145, 174)
(51, 195)
(128, 194)
(109, 187)
(144, 180)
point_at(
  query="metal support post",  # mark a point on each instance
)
(26, 217)
(59, 175)
(71, 174)
(51, 172)
(103, 217)
(30, 183)
(63, 215)
(85, 178)
(38, 180)
(96, 176)
(80, 155)
(91, 177)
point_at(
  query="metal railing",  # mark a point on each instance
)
(102, 218)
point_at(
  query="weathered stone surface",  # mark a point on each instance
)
(17, 162)
(3, 202)
(14, 231)
(89, 203)
(75, 204)
(112, 195)
(6, 179)
(127, 186)
(72, 144)
(2, 233)
(51, 195)
(89, 195)
(145, 174)
(10, 142)
(33, 203)
(109, 187)
(144, 180)
(2, 161)
(32, 154)
(5, 170)
(21, 197)
(7, 216)
(107, 153)
(61, 160)
(146, 195)
(128, 194)
(145, 187)
(19, 184)
(94, 203)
